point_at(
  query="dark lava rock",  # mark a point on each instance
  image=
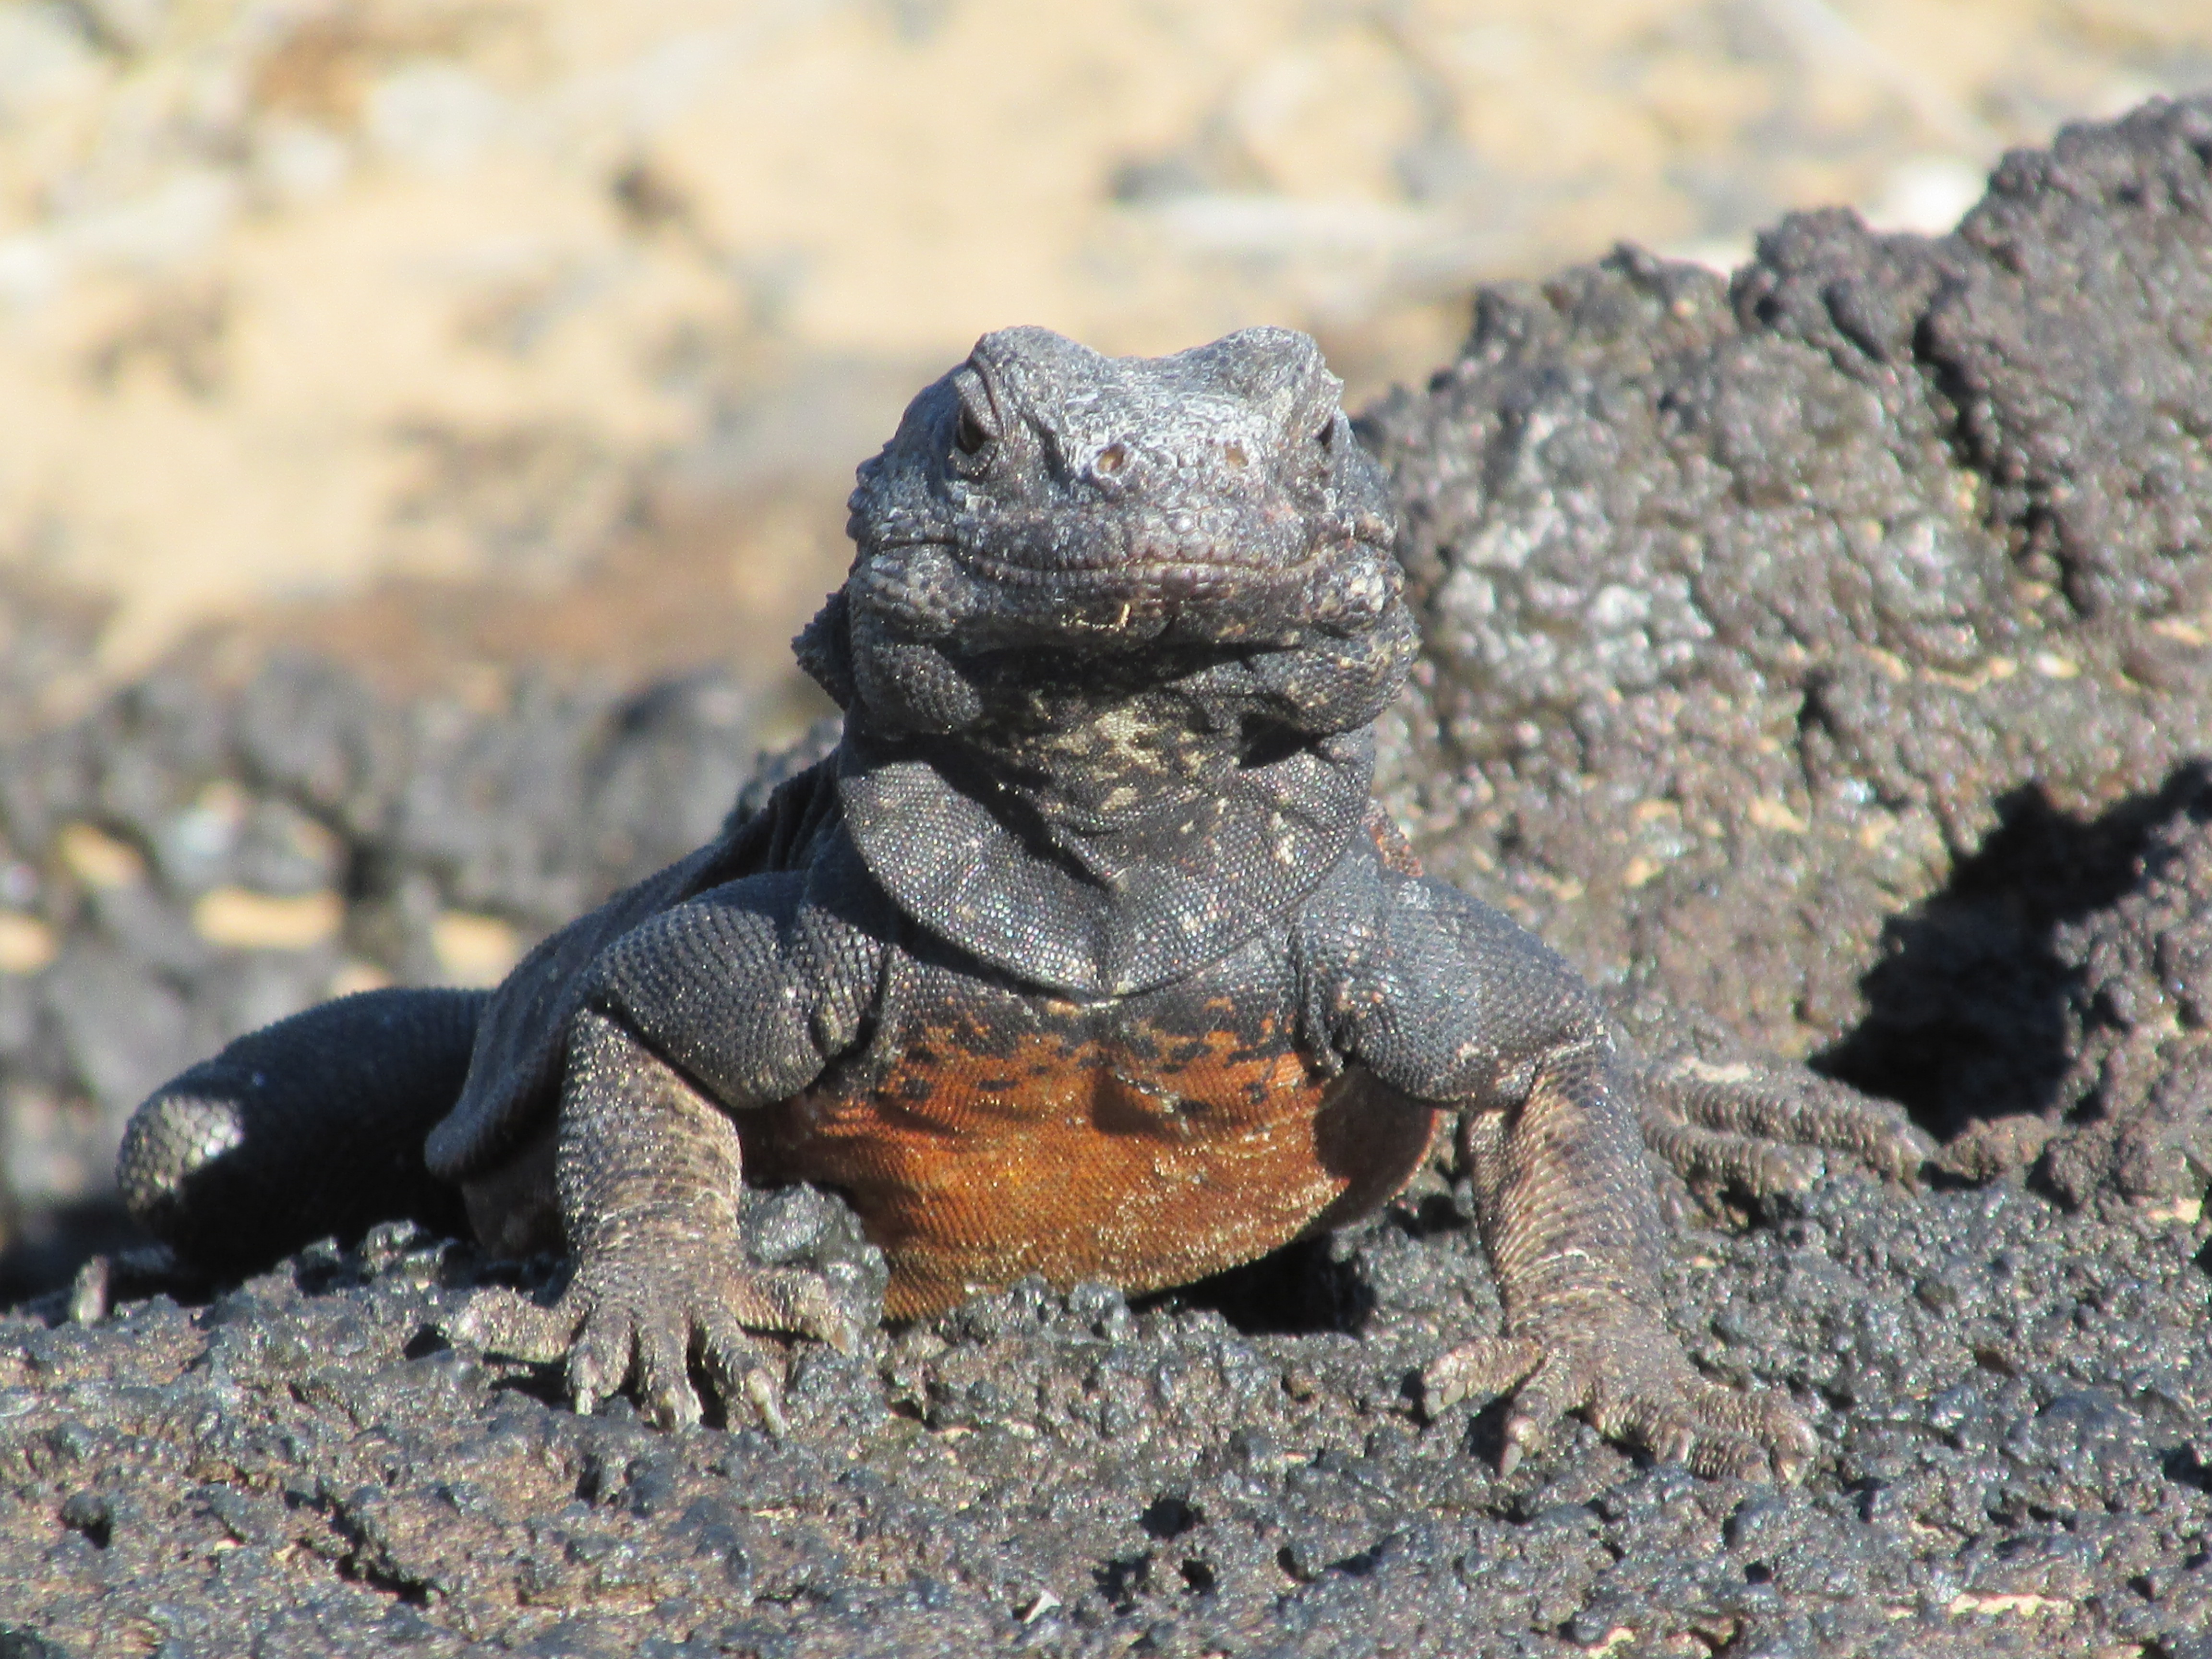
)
(1797, 641)
(2011, 1400)
(301, 800)
(2138, 1095)
(1824, 654)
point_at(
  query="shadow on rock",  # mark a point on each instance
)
(1973, 1011)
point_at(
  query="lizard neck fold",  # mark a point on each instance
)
(1095, 904)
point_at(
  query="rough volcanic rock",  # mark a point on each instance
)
(197, 860)
(1760, 614)
(2011, 1400)
(2138, 1097)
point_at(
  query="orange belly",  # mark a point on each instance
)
(1076, 1160)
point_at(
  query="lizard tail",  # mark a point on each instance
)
(310, 1127)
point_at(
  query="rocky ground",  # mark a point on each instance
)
(1821, 653)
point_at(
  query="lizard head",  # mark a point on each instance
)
(1049, 515)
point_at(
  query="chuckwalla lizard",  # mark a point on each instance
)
(1086, 954)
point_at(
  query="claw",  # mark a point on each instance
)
(842, 1333)
(763, 1394)
(1524, 1432)
(674, 1408)
(91, 1293)
(1487, 1366)
(1800, 1448)
(1442, 1387)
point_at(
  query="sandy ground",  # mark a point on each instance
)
(581, 314)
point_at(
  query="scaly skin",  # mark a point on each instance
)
(1086, 954)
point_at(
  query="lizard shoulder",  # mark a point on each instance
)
(515, 1069)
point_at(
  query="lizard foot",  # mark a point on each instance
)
(1627, 1378)
(1762, 1127)
(626, 1319)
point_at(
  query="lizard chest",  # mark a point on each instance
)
(1145, 1144)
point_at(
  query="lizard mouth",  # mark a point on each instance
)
(1094, 597)
(1165, 574)
(1262, 552)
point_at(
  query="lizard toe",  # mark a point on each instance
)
(767, 1400)
(619, 1328)
(1764, 1169)
(1550, 1392)
(601, 1358)
(1761, 1125)
(1673, 1432)
(663, 1369)
(1616, 1366)
(1540, 1381)
(500, 1321)
(740, 1374)
(1485, 1367)
(794, 1303)
(1711, 1430)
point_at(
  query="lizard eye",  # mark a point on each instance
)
(970, 435)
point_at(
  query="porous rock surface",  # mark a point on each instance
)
(1823, 618)
(1823, 651)
(2010, 1399)
(375, 823)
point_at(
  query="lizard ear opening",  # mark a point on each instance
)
(824, 650)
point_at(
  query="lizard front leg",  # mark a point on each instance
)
(1448, 1001)
(1566, 1216)
(722, 1004)
(650, 1175)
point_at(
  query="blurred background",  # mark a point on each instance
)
(437, 332)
